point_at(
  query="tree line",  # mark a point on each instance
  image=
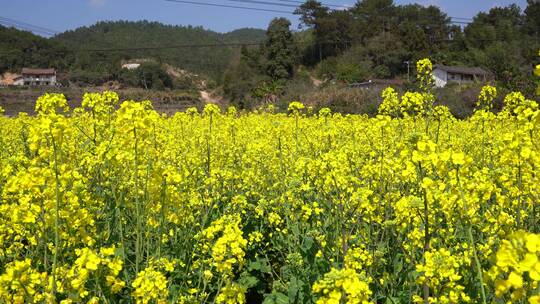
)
(372, 39)
(376, 38)
(151, 42)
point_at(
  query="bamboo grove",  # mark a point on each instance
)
(115, 203)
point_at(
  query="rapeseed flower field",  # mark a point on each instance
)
(115, 203)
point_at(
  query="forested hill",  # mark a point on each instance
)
(186, 47)
(23, 49)
(245, 35)
(201, 53)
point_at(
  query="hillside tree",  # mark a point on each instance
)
(280, 50)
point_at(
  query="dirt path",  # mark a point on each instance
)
(208, 98)
(316, 82)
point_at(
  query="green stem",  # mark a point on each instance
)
(208, 147)
(56, 216)
(478, 266)
(472, 243)
(138, 244)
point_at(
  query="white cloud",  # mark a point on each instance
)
(431, 2)
(97, 3)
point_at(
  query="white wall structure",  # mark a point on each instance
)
(39, 77)
(19, 81)
(131, 66)
(441, 78)
(443, 75)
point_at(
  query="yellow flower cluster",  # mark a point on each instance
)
(440, 271)
(358, 258)
(442, 113)
(211, 109)
(486, 97)
(537, 73)
(512, 100)
(91, 264)
(390, 104)
(51, 104)
(234, 207)
(424, 69)
(325, 112)
(224, 239)
(342, 286)
(295, 107)
(100, 103)
(21, 283)
(150, 285)
(412, 104)
(517, 269)
(232, 294)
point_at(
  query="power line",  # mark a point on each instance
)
(296, 3)
(462, 19)
(32, 25)
(324, 4)
(232, 6)
(251, 8)
(265, 3)
(28, 26)
(131, 49)
(180, 46)
(261, 9)
(210, 45)
(170, 47)
(50, 32)
(23, 28)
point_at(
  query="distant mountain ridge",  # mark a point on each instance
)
(187, 47)
(201, 54)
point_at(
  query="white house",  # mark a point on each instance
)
(39, 77)
(447, 74)
(18, 81)
(131, 66)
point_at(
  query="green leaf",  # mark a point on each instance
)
(392, 300)
(261, 265)
(281, 298)
(247, 280)
(255, 265)
(398, 264)
(293, 288)
(276, 298)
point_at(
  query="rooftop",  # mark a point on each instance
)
(375, 82)
(28, 71)
(462, 70)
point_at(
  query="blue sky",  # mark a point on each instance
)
(61, 15)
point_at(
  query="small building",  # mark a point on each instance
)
(39, 77)
(453, 74)
(377, 83)
(131, 66)
(18, 81)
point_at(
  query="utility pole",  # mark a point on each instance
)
(408, 63)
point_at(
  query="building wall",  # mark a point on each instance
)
(131, 66)
(39, 80)
(441, 78)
